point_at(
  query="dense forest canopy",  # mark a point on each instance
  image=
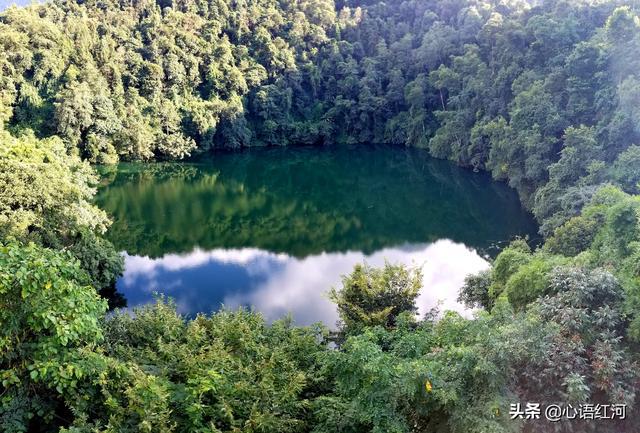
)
(545, 96)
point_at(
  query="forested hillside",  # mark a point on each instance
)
(544, 96)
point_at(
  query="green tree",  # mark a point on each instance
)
(372, 297)
(49, 327)
(46, 197)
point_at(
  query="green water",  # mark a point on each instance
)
(221, 229)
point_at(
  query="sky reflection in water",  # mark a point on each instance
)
(277, 284)
(276, 228)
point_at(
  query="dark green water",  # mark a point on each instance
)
(275, 228)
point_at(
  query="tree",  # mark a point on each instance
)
(584, 359)
(45, 193)
(625, 169)
(375, 297)
(46, 197)
(475, 292)
(50, 326)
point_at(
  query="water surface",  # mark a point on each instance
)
(275, 228)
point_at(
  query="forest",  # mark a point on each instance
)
(544, 95)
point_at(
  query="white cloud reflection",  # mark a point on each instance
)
(136, 266)
(280, 284)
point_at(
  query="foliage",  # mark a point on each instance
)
(376, 297)
(475, 291)
(49, 319)
(45, 194)
(544, 97)
(224, 373)
(46, 197)
(63, 366)
(573, 237)
(154, 370)
(586, 359)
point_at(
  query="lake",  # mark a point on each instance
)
(275, 228)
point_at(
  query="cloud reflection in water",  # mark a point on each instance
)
(277, 284)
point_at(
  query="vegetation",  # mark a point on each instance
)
(544, 97)
(45, 197)
(65, 365)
